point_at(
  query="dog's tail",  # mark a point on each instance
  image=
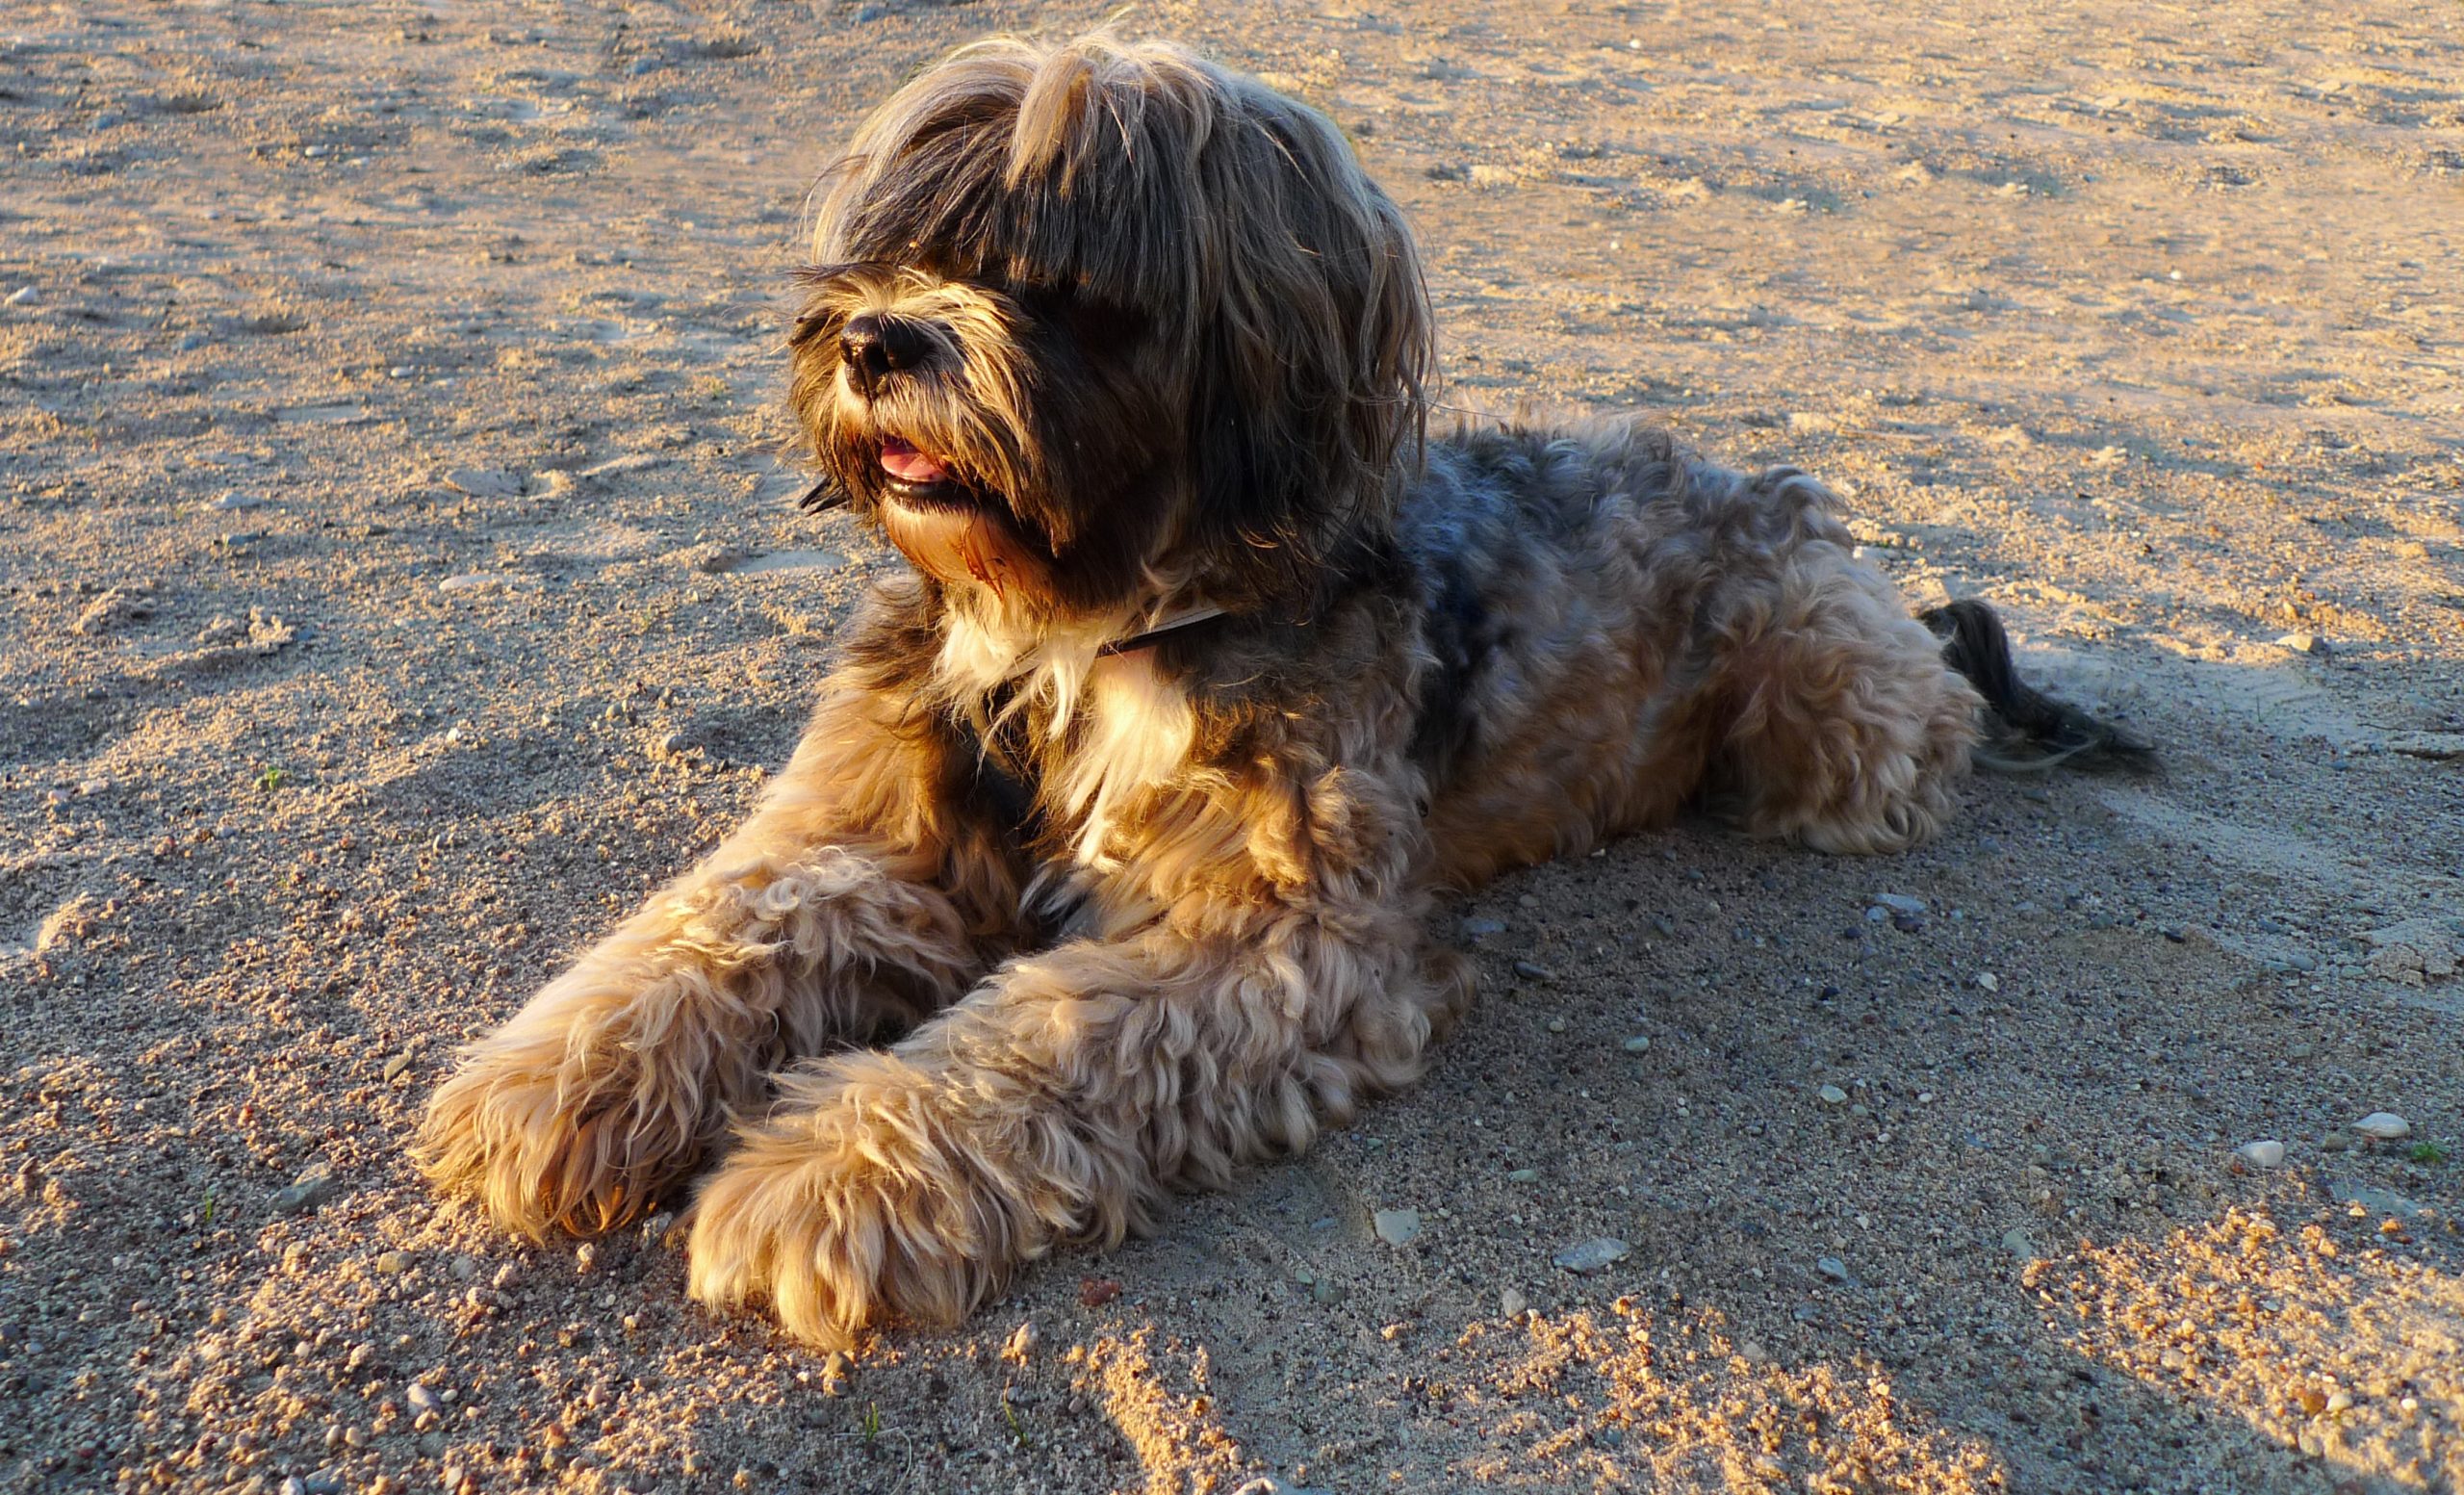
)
(2026, 729)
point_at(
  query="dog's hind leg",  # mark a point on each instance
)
(861, 898)
(1847, 728)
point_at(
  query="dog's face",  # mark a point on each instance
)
(1093, 320)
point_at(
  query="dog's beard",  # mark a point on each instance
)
(953, 531)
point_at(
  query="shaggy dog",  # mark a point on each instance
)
(1104, 865)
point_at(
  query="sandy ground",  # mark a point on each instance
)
(395, 583)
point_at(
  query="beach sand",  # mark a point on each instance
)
(400, 577)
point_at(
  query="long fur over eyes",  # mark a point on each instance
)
(1284, 328)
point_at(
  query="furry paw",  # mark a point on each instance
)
(851, 1206)
(546, 1138)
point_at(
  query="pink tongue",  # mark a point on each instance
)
(908, 465)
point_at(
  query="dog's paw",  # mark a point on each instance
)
(545, 1138)
(836, 1222)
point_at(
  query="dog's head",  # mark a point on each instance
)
(1093, 315)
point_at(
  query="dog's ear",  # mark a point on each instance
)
(1311, 344)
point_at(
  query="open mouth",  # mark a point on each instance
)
(951, 528)
(917, 475)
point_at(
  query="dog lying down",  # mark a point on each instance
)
(1102, 869)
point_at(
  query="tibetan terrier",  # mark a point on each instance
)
(1104, 866)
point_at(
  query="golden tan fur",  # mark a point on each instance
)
(1050, 914)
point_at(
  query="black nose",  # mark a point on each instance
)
(874, 347)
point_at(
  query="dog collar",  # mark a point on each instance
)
(1179, 623)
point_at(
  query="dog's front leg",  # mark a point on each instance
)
(1062, 1100)
(851, 906)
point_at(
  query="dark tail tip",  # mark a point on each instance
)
(2028, 731)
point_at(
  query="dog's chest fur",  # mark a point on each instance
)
(1086, 737)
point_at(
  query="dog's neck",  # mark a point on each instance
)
(994, 662)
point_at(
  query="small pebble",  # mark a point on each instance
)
(1532, 971)
(392, 1263)
(1833, 1267)
(835, 1374)
(1556, 1025)
(1021, 1345)
(2383, 1127)
(1397, 1226)
(1899, 903)
(1833, 1096)
(23, 295)
(1639, 1043)
(423, 1398)
(2303, 643)
(1511, 1302)
(1524, 1176)
(314, 1185)
(2339, 1400)
(2267, 1152)
(1591, 1255)
(484, 482)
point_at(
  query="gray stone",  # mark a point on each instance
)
(314, 1185)
(1899, 903)
(2383, 1127)
(1833, 1267)
(1397, 1226)
(1639, 1043)
(484, 482)
(1591, 1255)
